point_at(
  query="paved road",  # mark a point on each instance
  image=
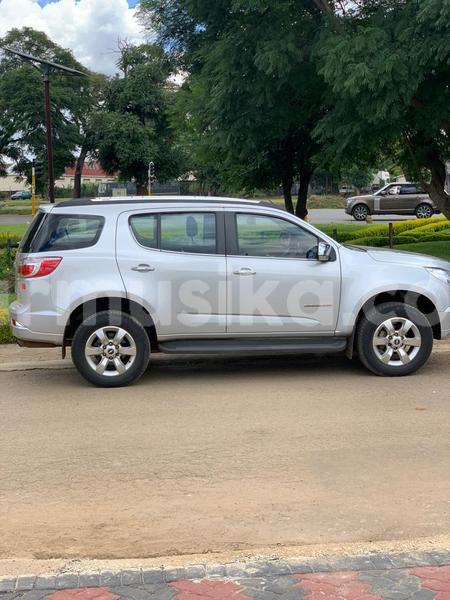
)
(321, 215)
(219, 455)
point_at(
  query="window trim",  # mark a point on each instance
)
(220, 230)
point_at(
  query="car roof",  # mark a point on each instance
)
(162, 200)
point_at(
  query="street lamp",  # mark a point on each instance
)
(46, 67)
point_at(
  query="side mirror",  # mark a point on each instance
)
(324, 252)
(383, 193)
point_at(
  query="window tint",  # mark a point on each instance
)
(67, 232)
(31, 232)
(269, 236)
(145, 229)
(408, 189)
(189, 232)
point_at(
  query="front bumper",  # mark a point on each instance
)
(445, 323)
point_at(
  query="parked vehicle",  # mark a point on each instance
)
(121, 278)
(392, 199)
(22, 195)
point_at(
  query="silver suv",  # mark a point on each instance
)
(393, 199)
(120, 278)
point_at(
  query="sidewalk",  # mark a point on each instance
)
(412, 576)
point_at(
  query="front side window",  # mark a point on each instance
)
(260, 235)
(60, 232)
(189, 232)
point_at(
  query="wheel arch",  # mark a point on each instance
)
(125, 305)
(419, 301)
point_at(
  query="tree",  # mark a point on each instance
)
(387, 65)
(22, 116)
(257, 94)
(133, 127)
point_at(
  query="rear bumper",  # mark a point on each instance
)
(30, 327)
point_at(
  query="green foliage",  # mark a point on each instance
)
(13, 239)
(253, 94)
(388, 66)
(22, 116)
(133, 128)
(6, 337)
(439, 249)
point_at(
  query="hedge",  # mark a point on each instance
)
(401, 227)
(13, 238)
(383, 240)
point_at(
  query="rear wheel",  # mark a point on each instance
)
(360, 212)
(424, 211)
(394, 339)
(111, 349)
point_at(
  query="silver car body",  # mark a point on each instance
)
(195, 295)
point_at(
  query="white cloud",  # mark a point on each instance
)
(91, 28)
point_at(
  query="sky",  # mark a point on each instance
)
(90, 28)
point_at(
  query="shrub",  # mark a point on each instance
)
(12, 237)
(438, 225)
(382, 240)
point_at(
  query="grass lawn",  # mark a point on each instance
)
(439, 249)
(313, 201)
(18, 229)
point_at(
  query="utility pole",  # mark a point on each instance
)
(46, 67)
(48, 121)
(33, 190)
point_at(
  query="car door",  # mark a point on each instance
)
(276, 285)
(174, 263)
(389, 199)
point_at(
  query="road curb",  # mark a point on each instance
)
(381, 561)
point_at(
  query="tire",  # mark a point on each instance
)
(376, 324)
(111, 349)
(360, 212)
(424, 211)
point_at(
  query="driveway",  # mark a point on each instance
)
(220, 455)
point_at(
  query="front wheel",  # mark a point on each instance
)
(394, 339)
(424, 211)
(360, 212)
(111, 349)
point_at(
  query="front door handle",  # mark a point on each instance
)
(143, 268)
(245, 271)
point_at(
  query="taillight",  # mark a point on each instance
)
(38, 267)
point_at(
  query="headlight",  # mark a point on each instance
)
(441, 274)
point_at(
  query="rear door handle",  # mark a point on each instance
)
(245, 271)
(143, 268)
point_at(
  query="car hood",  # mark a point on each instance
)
(387, 255)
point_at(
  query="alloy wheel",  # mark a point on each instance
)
(110, 351)
(397, 342)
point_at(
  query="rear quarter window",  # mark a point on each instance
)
(59, 232)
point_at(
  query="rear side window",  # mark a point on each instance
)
(60, 232)
(145, 229)
(31, 231)
(177, 232)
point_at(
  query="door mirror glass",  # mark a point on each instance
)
(324, 252)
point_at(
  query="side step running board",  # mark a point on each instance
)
(254, 346)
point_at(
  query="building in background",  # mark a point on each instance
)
(92, 174)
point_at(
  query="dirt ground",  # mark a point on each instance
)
(220, 455)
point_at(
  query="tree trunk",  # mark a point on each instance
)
(287, 182)
(79, 166)
(436, 188)
(305, 179)
(141, 188)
